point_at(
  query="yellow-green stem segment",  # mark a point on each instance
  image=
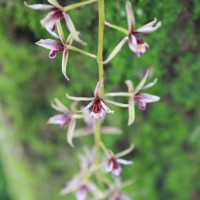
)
(76, 5)
(97, 131)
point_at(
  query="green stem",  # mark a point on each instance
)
(123, 30)
(97, 131)
(119, 94)
(76, 5)
(81, 51)
(100, 44)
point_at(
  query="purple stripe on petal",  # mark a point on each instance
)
(130, 17)
(52, 18)
(51, 44)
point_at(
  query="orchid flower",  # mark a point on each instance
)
(58, 45)
(56, 13)
(114, 161)
(81, 183)
(81, 187)
(97, 104)
(137, 95)
(141, 98)
(136, 43)
(66, 117)
(90, 122)
(114, 193)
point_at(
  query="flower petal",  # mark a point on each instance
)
(57, 119)
(72, 186)
(117, 171)
(56, 4)
(147, 98)
(131, 112)
(151, 84)
(125, 152)
(72, 29)
(69, 39)
(132, 42)
(129, 85)
(97, 89)
(94, 190)
(89, 105)
(147, 28)
(64, 62)
(59, 106)
(83, 132)
(124, 162)
(116, 50)
(109, 167)
(116, 103)
(52, 53)
(51, 29)
(39, 6)
(130, 17)
(111, 130)
(106, 108)
(70, 132)
(60, 32)
(142, 82)
(142, 105)
(88, 120)
(141, 49)
(50, 44)
(81, 194)
(98, 115)
(51, 18)
(79, 98)
(150, 24)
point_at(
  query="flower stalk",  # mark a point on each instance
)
(77, 5)
(81, 51)
(97, 130)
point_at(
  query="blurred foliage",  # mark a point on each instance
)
(166, 135)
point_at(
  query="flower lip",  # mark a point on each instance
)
(97, 107)
(114, 161)
(114, 167)
(139, 40)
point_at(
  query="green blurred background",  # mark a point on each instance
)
(35, 160)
